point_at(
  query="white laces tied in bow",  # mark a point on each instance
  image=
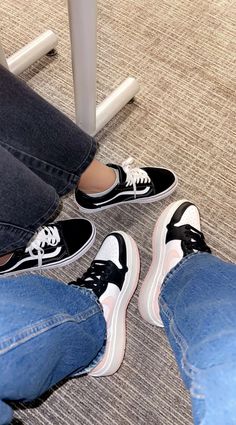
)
(134, 175)
(48, 235)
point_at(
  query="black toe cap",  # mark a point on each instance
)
(75, 233)
(162, 178)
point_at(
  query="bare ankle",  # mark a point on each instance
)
(5, 258)
(97, 177)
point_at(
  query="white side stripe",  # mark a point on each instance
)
(51, 255)
(129, 192)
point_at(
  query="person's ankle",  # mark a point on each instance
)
(5, 258)
(99, 185)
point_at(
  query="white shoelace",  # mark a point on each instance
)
(134, 175)
(48, 235)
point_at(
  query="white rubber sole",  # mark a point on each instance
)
(149, 200)
(151, 287)
(115, 348)
(61, 263)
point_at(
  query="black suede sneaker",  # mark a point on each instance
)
(135, 185)
(176, 235)
(113, 277)
(52, 246)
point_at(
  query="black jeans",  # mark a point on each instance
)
(42, 156)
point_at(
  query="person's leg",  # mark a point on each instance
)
(198, 309)
(46, 141)
(62, 154)
(197, 305)
(48, 331)
(40, 136)
(27, 202)
(97, 177)
(42, 154)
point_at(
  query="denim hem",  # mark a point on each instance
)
(88, 158)
(93, 364)
(178, 266)
(100, 354)
(91, 295)
(74, 178)
(28, 233)
(162, 304)
(189, 369)
(70, 177)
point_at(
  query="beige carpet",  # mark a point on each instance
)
(184, 54)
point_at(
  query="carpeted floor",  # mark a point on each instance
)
(183, 53)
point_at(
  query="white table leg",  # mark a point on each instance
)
(113, 103)
(83, 31)
(33, 51)
(30, 53)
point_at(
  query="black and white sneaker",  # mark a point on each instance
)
(52, 246)
(135, 185)
(113, 277)
(176, 235)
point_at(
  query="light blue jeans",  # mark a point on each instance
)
(198, 308)
(48, 331)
